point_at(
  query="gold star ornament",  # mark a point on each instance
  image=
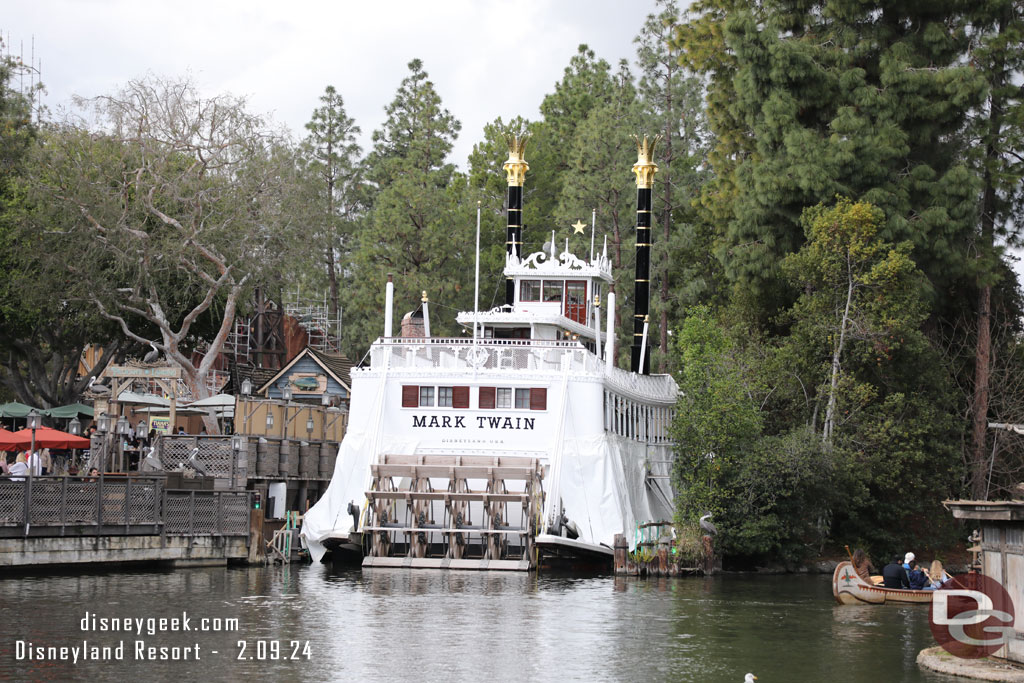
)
(578, 227)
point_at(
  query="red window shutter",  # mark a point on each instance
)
(538, 399)
(487, 398)
(410, 397)
(460, 397)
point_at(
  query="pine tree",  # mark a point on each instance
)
(812, 100)
(421, 218)
(672, 106)
(997, 40)
(331, 155)
(586, 84)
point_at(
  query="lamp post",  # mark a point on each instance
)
(33, 424)
(286, 394)
(237, 442)
(326, 400)
(75, 429)
(103, 425)
(246, 390)
(122, 430)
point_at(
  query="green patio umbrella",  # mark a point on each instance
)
(70, 410)
(15, 409)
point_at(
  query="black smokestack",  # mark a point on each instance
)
(515, 172)
(644, 168)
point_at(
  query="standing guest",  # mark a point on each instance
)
(46, 462)
(181, 430)
(35, 464)
(894, 575)
(4, 469)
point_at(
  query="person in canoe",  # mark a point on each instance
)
(917, 576)
(894, 575)
(862, 565)
(936, 576)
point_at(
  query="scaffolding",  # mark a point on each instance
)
(314, 317)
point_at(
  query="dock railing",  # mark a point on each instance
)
(115, 505)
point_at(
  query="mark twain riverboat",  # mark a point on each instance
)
(524, 446)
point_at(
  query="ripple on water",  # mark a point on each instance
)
(398, 625)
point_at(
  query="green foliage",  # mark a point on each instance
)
(671, 103)
(43, 330)
(814, 100)
(331, 174)
(420, 224)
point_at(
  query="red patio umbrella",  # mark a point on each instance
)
(7, 441)
(48, 437)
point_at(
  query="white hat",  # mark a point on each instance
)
(908, 558)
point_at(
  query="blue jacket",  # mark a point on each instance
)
(918, 579)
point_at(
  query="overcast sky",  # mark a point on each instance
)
(487, 58)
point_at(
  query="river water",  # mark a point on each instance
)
(396, 625)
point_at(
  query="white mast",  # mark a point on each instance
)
(593, 227)
(476, 289)
(389, 305)
(610, 345)
(426, 315)
(643, 341)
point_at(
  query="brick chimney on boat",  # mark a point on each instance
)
(644, 168)
(515, 173)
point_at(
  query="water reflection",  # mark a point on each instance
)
(394, 624)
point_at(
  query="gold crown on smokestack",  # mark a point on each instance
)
(516, 166)
(645, 168)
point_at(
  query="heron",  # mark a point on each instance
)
(707, 526)
(152, 355)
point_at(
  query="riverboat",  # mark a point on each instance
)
(849, 588)
(521, 446)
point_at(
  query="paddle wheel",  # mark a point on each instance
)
(455, 512)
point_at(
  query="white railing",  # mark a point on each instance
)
(499, 355)
(447, 355)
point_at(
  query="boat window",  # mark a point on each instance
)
(504, 398)
(523, 398)
(552, 290)
(460, 397)
(529, 290)
(410, 396)
(426, 396)
(444, 397)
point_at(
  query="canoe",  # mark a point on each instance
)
(850, 589)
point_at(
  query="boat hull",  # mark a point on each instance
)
(849, 588)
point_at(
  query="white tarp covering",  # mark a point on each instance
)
(602, 488)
